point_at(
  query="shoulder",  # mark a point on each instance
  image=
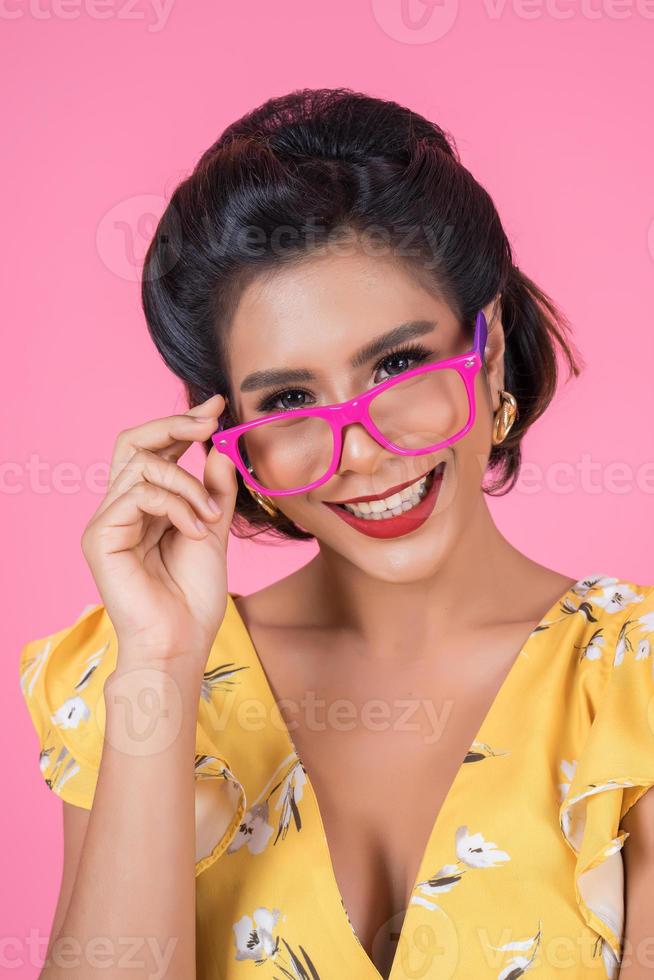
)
(628, 694)
(620, 618)
(617, 617)
(637, 628)
(615, 765)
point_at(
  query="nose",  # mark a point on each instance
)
(360, 451)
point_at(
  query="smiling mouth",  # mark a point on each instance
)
(396, 501)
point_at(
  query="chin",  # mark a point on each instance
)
(402, 560)
(404, 563)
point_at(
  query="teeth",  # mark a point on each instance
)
(393, 506)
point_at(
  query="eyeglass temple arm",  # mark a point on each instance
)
(481, 333)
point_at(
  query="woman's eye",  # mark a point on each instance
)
(397, 362)
(401, 361)
(284, 401)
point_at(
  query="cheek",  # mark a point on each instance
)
(466, 467)
(298, 508)
(477, 442)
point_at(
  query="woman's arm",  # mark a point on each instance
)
(157, 549)
(75, 820)
(132, 905)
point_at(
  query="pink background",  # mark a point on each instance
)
(107, 109)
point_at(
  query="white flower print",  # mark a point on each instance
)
(594, 582)
(441, 881)
(624, 643)
(70, 769)
(254, 830)
(255, 940)
(482, 750)
(620, 648)
(219, 679)
(91, 664)
(71, 713)
(208, 767)
(518, 965)
(472, 850)
(647, 622)
(477, 852)
(292, 790)
(64, 767)
(610, 592)
(593, 649)
(33, 668)
(615, 598)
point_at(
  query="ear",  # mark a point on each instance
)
(494, 351)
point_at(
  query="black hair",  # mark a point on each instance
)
(330, 162)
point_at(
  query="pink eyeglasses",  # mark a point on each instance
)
(292, 446)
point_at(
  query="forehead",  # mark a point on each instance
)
(315, 312)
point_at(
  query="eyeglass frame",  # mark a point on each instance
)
(357, 409)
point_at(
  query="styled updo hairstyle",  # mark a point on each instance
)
(337, 161)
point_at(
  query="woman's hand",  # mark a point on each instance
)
(163, 578)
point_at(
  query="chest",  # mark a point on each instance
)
(382, 745)
(379, 795)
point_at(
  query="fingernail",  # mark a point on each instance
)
(203, 418)
(213, 505)
(201, 526)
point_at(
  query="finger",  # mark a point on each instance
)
(124, 523)
(177, 448)
(170, 436)
(219, 478)
(148, 466)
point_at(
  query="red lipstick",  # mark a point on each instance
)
(404, 523)
(379, 496)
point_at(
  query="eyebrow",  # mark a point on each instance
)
(374, 348)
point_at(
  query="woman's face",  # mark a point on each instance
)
(314, 317)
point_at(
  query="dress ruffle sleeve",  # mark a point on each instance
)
(615, 768)
(61, 679)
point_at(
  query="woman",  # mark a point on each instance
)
(415, 755)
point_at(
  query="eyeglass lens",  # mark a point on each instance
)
(417, 413)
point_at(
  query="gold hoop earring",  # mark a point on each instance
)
(264, 502)
(504, 417)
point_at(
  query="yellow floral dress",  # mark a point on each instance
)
(523, 868)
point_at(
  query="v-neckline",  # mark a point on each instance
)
(501, 695)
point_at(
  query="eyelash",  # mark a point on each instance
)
(414, 352)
